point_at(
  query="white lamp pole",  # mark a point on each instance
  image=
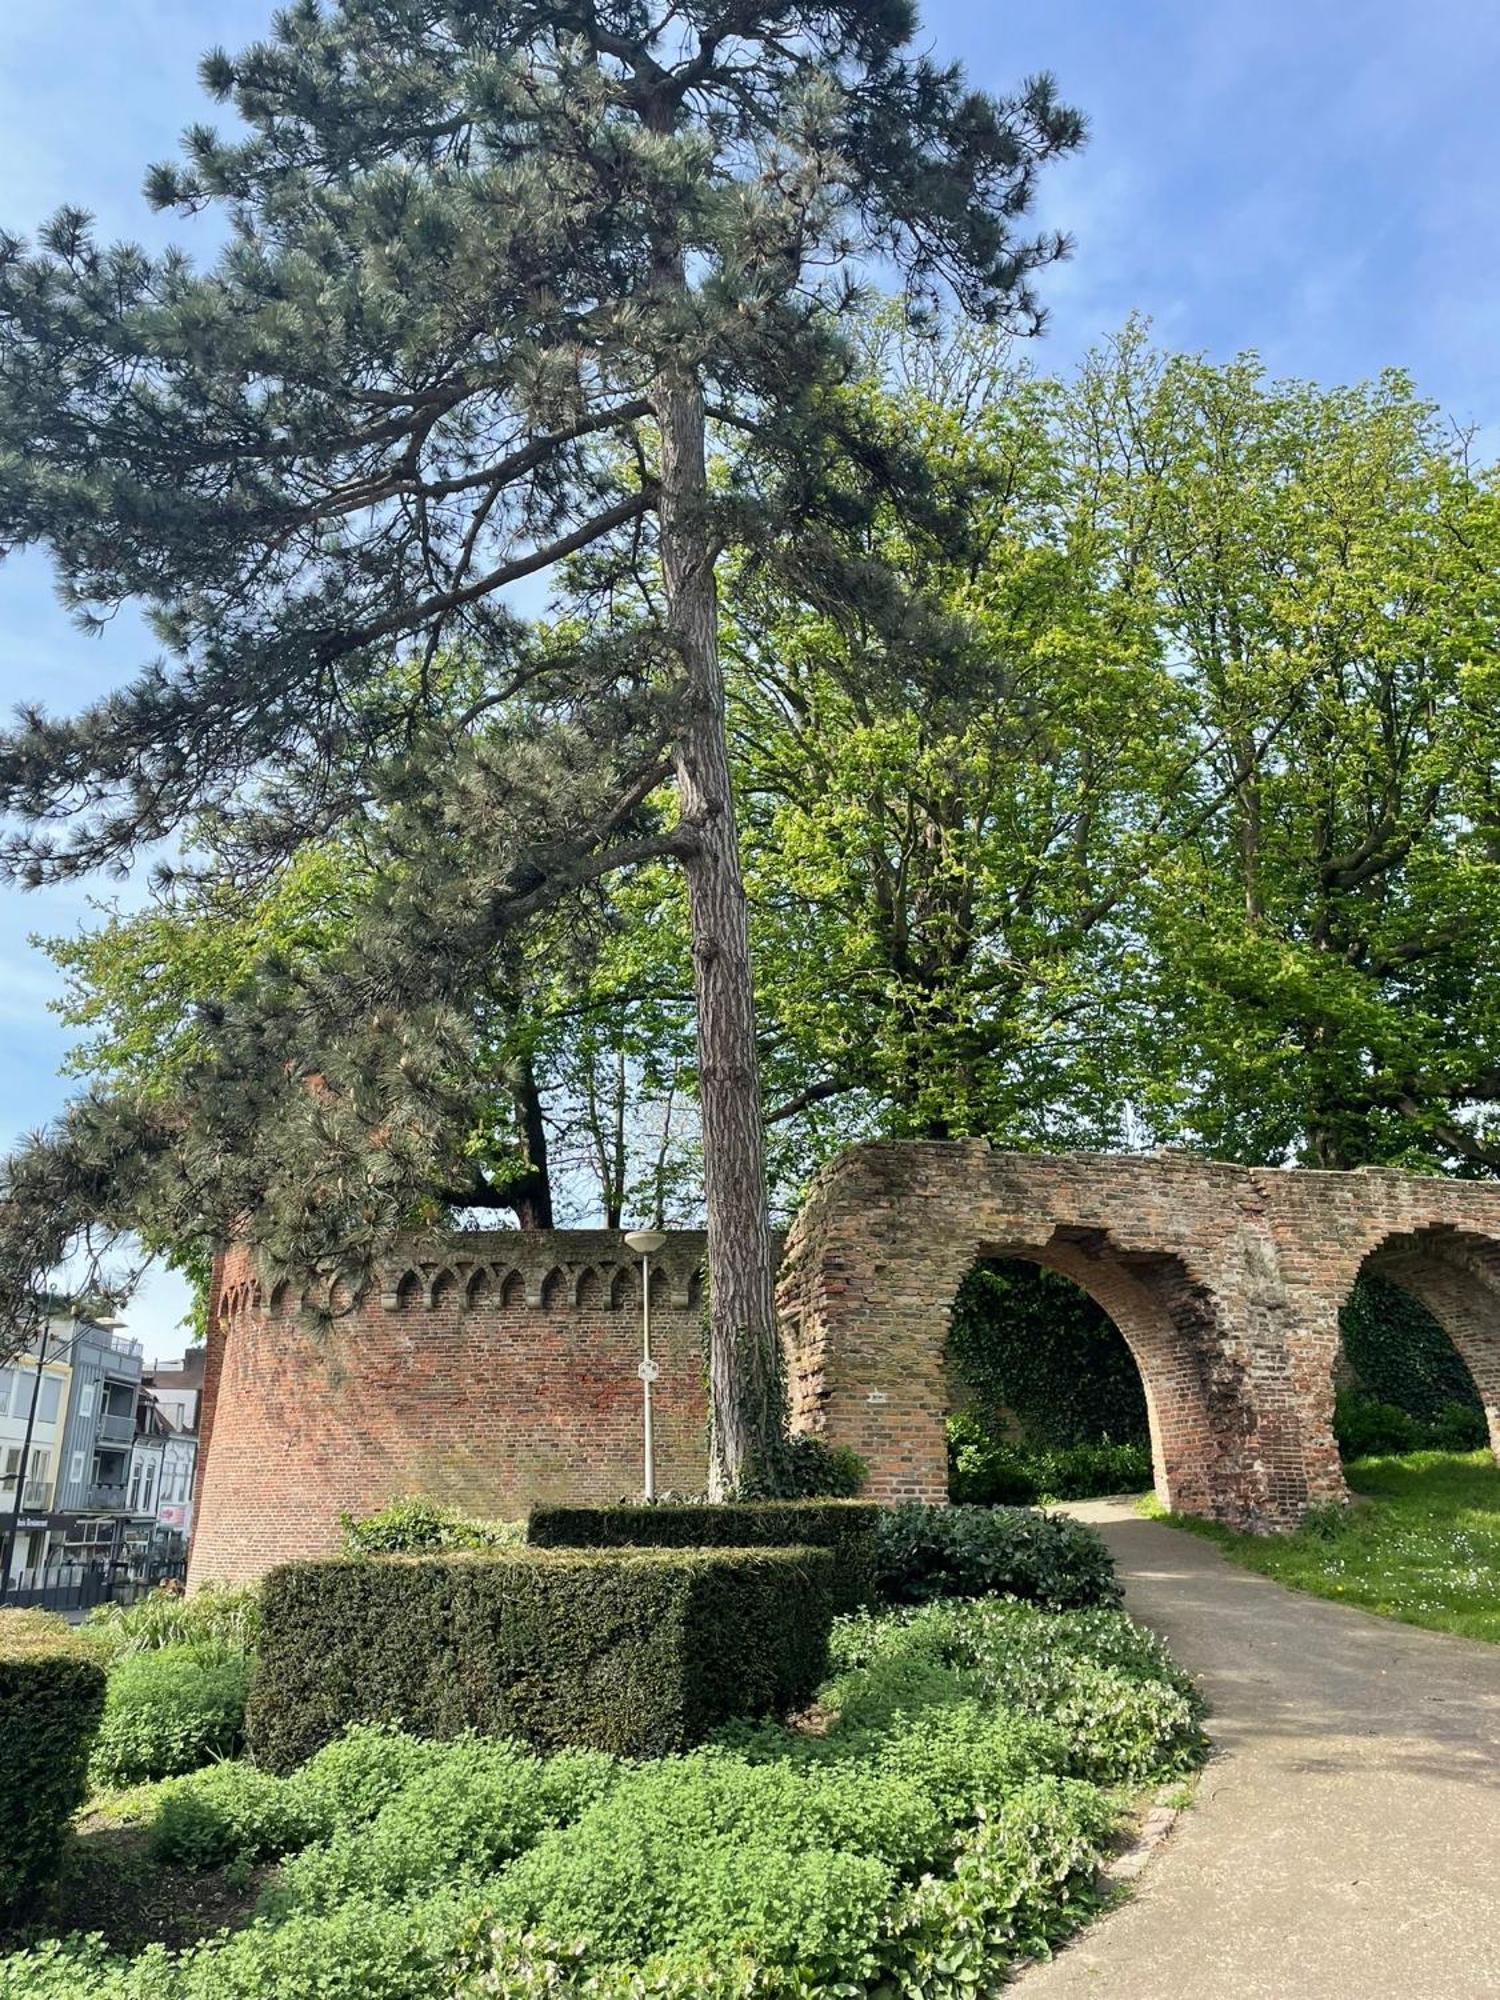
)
(645, 1243)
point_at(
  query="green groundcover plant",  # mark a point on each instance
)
(941, 1814)
(169, 1710)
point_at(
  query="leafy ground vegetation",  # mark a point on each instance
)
(943, 1809)
(940, 1810)
(1422, 1543)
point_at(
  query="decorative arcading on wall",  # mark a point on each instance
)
(493, 1371)
(489, 1370)
(1225, 1281)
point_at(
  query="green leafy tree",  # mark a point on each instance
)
(492, 270)
(1321, 566)
(948, 819)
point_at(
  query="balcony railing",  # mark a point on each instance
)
(116, 1426)
(107, 1496)
(123, 1344)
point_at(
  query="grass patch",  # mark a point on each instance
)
(1422, 1544)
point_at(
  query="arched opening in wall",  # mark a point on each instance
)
(1046, 1399)
(1418, 1363)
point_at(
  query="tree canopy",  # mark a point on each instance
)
(491, 273)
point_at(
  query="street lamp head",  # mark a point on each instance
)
(645, 1242)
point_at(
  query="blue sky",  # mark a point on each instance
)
(1316, 179)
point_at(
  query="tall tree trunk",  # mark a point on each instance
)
(530, 1194)
(745, 1381)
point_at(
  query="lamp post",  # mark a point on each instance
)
(645, 1243)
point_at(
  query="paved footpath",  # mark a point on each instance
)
(1345, 1844)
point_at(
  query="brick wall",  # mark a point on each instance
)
(491, 1372)
(497, 1370)
(1225, 1281)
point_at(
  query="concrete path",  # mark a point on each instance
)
(1345, 1844)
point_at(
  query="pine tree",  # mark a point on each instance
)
(493, 269)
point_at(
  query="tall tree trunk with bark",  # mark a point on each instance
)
(745, 1380)
(530, 1194)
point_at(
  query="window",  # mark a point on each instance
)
(86, 1400)
(38, 1478)
(75, 1467)
(17, 1386)
(135, 1484)
(146, 1507)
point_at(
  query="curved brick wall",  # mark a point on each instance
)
(491, 1372)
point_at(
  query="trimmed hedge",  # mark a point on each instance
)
(847, 1527)
(51, 1698)
(641, 1652)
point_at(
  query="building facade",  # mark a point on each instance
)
(26, 1509)
(72, 1524)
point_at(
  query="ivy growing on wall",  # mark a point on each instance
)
(1400, 1353)
(1032, 1357)
(1031, 1353)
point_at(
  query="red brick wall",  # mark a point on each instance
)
(490, 1373)
(1225, 1281)
(497, 1370)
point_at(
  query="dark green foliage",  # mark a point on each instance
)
(1368, 1428)
(418, 1526)
(984, 1470)
(169, 1711)
(1047, 1559)
(1401, 1355)
(932, 1835)
(638, 1652)
(1030, 1342)
(51, 1698)
(472, 265)
(804, 1468)
(846, 1527)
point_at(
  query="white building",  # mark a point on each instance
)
(163, 1461)
(20, 1381)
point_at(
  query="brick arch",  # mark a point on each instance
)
(1455, 1275)
(1180, 1253)
(1168, 1321)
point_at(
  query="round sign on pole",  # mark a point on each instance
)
(648, 1370)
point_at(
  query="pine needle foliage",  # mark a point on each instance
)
(495, 272)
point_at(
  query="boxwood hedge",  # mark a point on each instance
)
(848, 1527)
(637, 1651)
(51, 1698)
